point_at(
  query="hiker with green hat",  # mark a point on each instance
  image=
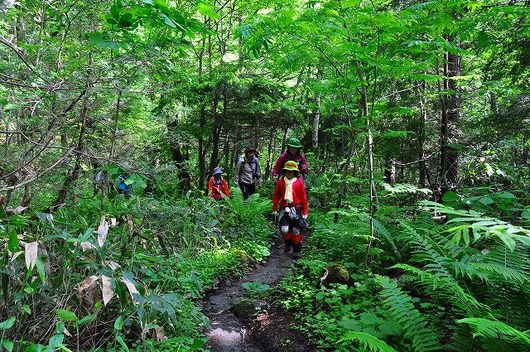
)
(293, 152)
(290, 199)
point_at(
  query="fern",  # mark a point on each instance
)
(444, 288)
(478, 225)
(381, 230)
(494, 329)
(367, 341)
(401, 308)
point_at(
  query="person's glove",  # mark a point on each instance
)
(304, 216)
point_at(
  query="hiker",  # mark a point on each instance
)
(248, 172)
(290, 197)
(122, 186)
(292, 152)
(217, 186)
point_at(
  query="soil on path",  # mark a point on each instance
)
(270, 330)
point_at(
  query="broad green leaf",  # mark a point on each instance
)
(7, 324)
(13, 244)
(40, 270)
(85, 320)
(208, 10)
(120, 340)
(8, 345)
(66, 315)
(118, 323)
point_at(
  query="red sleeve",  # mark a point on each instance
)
(278, 166)
(210, 186)
(303, 197)
(226, 191)
(278, 194)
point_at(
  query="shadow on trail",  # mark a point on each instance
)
(234, 330)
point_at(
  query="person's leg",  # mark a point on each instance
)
(251, 189)
(243, 187)
(287, 236)
(296, 239)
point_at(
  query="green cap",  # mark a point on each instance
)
(294, 142)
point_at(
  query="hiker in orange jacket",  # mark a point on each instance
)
(217, 185)
(291, 198)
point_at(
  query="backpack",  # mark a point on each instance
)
(254, 161)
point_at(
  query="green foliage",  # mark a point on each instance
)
(255, 289)
(400, 306)
(492, 329)
(367, 342)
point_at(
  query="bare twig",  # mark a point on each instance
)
(51, 167)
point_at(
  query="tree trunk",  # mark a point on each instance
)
(73, 175)
(390, 171)
(422, 163)
(316, 119)
(448, 126)
(270, 159)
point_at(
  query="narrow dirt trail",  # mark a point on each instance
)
(227, 332)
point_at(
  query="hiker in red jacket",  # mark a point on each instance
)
(293, 152)
(290, 197)
(217, 185)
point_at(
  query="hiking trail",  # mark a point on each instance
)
(240, 326)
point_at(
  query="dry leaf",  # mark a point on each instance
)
(18, 210)
(113, 265)
(130, 223)
(131, 287)
(67, 333)
(86, 246)
(106, 289)
(86, 283)
(160, 334)
(31, 254)
(103, 230)
(15, 255)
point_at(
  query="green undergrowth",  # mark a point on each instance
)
(434, 277)
(129, 281)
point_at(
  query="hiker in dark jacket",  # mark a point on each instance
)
(293, 152)
(248, 173)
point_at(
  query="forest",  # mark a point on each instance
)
(118, 117)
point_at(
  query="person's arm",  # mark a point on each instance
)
(277, 196)
(210, 186)
(258, 174)
(304, 166)
(277, 166)
(225, 189)
(236, 172)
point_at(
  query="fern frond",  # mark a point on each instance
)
(495, 329)
(445, 288)
(367, 341)
(380, 229)
(494, 270)
(401, 308)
